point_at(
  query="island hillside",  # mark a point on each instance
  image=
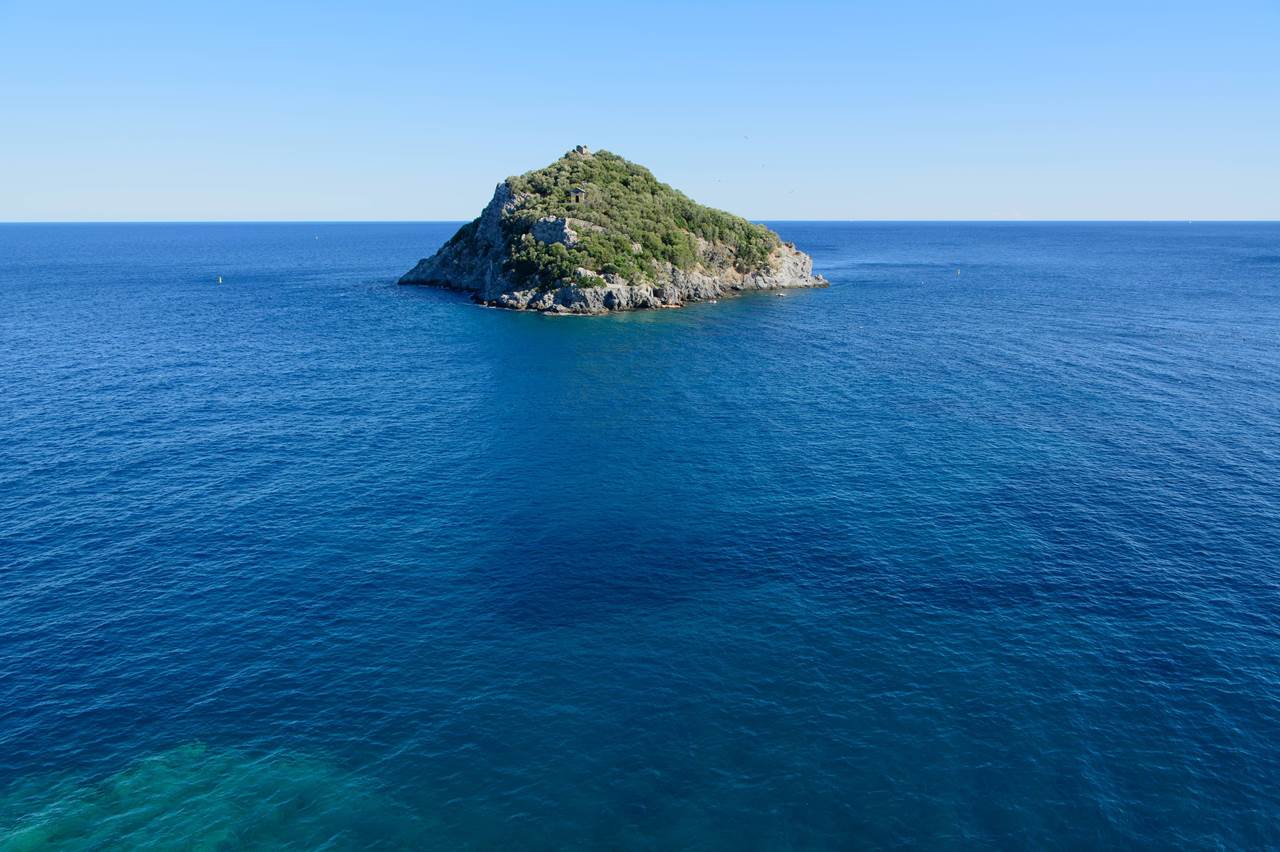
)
(592, 233)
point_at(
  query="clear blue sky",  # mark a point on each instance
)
(924, 110)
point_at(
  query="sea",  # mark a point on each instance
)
(979, 547)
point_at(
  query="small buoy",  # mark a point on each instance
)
(219, 279)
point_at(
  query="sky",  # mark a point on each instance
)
(798, 110)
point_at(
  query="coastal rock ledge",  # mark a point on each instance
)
(594, 233)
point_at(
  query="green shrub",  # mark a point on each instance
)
(644, 224)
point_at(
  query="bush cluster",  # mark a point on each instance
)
(642, 224)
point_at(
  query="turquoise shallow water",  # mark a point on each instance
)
(977, 547)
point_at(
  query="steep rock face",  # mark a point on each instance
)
(631, 244)
(474, 263)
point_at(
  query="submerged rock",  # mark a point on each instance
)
(193, 797)
(594, 233)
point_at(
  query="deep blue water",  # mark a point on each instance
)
(978, 547)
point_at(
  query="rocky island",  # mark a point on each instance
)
(593, 233)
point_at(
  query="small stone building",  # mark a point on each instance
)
(577, 195)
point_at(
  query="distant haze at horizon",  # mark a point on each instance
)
(921, 112)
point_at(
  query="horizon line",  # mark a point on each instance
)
(750, 219)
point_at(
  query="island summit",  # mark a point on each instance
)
(593, 233)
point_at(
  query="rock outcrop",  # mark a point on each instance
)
(551, 229)
(635, 244)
